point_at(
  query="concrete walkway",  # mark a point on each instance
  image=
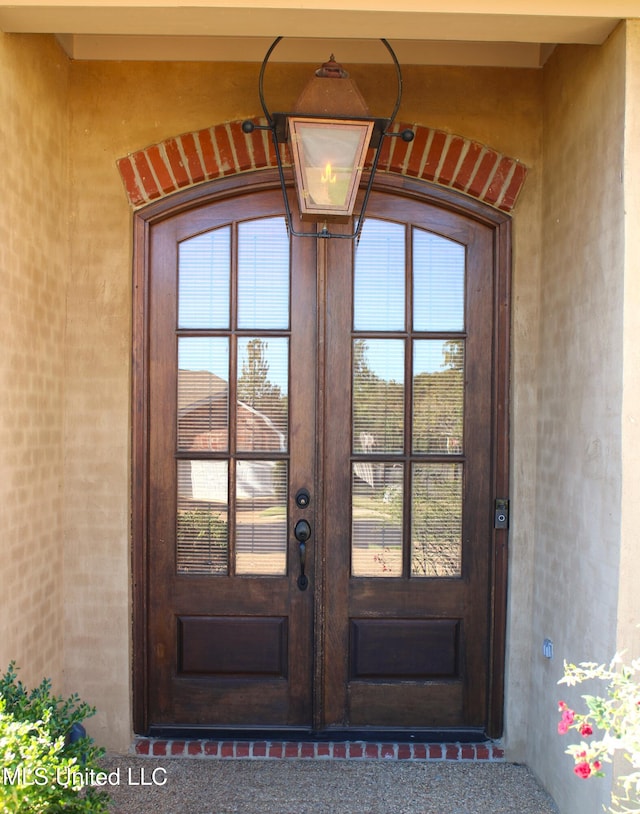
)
(201, 786)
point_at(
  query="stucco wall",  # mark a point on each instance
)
(33, 273)
(578, 483)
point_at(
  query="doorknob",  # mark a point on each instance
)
(302, 533)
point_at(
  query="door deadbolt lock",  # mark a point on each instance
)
(303, 498)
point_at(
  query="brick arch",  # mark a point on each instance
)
(224, 149)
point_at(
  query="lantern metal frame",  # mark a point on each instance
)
(277, 125)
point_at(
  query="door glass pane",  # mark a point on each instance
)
(203, 393)
(261, 517)
(379, 277)
(376, 525)
(201, 523)
(378, 395)
(436, 520)
(438, 395)
(263, 274)
(262, 410)
(438, 283)
(204, 280)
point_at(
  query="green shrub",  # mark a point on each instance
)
(47, 762)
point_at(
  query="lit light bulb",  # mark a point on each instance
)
(328, 177)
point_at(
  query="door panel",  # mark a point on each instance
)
(408, 561)
(231, 435)
(366, 379)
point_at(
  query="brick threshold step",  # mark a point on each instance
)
(338, 750)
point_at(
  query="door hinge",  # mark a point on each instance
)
(501, 513)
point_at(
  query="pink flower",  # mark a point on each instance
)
(582, 769)
(563, 727)
(568, 715)
(597, 765)
(562, 705)
(585, 730)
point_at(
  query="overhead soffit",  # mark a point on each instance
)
(518, 34)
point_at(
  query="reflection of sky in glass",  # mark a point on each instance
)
(263, 274)
(204, 263)
(385, 358)
(204, 353)
(379, 279)
(438, 283)
(428, 356)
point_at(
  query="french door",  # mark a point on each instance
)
(321, 443)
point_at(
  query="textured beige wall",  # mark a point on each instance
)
(578, 480)
(33, 273)
(629, 600)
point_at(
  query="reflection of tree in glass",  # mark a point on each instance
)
(436, 520)
(256, 390)
(438, 403)
(201, 542)
(378, 406)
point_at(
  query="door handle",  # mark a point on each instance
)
(302, 533)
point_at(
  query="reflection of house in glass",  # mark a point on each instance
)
(203, 426)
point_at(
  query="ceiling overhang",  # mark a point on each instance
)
(517, 34)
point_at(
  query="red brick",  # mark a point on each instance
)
(159, 748)
(497, 753)
(211, 167)
(142, 746)
(399, 148)
(515, 185)
(177, 747)
(146, 176)
(160, 168)
(418, 146)
(225, 151)
(419, 751)
(244, 157)
(256, 146)
(482, 752)
(275, 750)
(323, 750)
(194, 748)
(467, 752)
(227, 749)
(387, 750)
(435, 751)
(260, 749)
(356, 750)
(451, 751)
(242, 750)
(435, 154)
(404, 751)
(463, 176)
(495, 188)
(176, 163)
(211, 748)
(454, 151)
(128, 175)
(483, 173)
(307, 750)
(340, 750)
(372, 750)
(291, 749)
(194, 164)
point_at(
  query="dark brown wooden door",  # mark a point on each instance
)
(408, 495)
(319, 407)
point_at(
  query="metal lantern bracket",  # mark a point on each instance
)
(277, 125)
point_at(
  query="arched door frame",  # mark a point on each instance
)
(246, 184)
